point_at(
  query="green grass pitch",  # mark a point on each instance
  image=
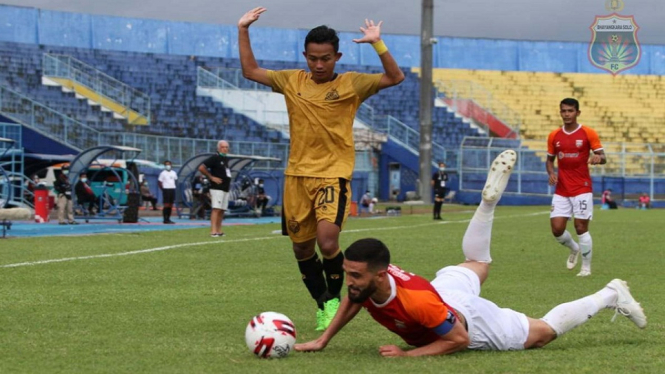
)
(178, 301)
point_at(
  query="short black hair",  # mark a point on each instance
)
(169, 161)
(570, 101)
(371, 251)
(322, 35)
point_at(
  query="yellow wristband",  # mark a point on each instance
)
(380, 47)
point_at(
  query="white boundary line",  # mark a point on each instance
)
(176, 246)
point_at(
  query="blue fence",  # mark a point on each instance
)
(36, 26)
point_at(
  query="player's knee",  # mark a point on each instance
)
(558, 231)
(303, 250)
(581, 228)
(540, 334)
(328, 246)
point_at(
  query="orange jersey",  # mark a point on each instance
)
(572, 151)
(321, 120)
(414, 309)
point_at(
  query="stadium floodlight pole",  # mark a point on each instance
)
(426, 99)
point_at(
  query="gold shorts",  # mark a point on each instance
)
(308, 200)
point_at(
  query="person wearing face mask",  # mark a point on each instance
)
(439, 182)
(216, 169)
(84, 194)
(167, 179)
(64, 194)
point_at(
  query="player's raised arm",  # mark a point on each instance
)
(392, 75)
(347, 310)
(250, 68)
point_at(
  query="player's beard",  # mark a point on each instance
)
(362, 295)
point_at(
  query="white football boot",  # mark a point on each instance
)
(498, 176)
(626, 304)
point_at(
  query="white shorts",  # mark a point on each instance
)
(219, 199)
(489, 327)
(580, 206)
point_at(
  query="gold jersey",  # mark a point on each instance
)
(321, 120)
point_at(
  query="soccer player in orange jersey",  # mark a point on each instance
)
(322, 105)
(575, 147)
(448, 315)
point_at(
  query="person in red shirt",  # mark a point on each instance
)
(645, 201)
(448, 315)
(575, 147)
(606, 198)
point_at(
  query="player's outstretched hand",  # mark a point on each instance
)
(595, 159)
(372, 32)
(391, 351)
(311, 346)
(251, 16)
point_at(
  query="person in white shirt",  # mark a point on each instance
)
(167, 179)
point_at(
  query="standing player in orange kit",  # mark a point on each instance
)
(575, 146)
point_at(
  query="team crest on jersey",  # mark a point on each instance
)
(578, 143)
(614, 46)
(332, 95)
(294, 226)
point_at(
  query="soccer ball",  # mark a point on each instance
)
(270, 335)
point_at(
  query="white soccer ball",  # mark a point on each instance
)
(270, 335)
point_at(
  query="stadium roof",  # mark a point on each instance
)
(561, 20)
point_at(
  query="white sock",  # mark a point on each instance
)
(476, 242)
(567, 240)
(566, 317)
(586, 245)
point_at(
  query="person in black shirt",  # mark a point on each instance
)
(216, 169)
(439, 181)
(64, 193)
(261, 197)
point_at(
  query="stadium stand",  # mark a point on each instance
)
(177, 111)
(170, 80)
(623, 108)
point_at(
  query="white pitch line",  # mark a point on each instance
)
(176, 246)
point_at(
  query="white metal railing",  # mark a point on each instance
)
(46, 120)
(63, 66)
(457, 90)
(638, 167)
(232, 79)
(69, 131)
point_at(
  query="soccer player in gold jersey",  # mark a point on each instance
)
(322, 105)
